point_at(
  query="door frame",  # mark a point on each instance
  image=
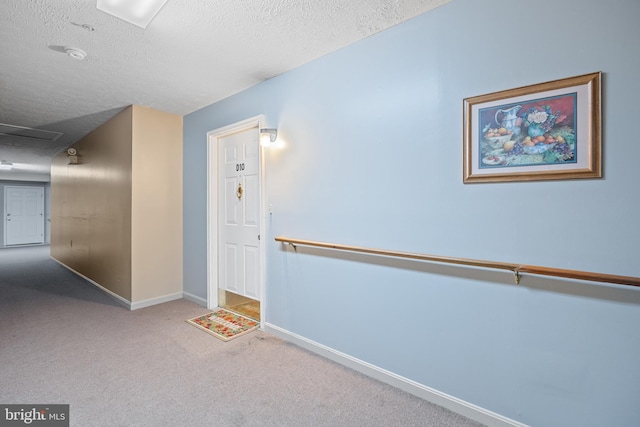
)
(213, 138)
(4, 213)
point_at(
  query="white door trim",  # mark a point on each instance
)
(212, 209)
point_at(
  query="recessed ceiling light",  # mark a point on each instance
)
(136, 12)
(75, 53)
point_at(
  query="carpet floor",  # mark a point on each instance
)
(64, 341)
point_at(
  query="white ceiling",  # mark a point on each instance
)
(194, 53)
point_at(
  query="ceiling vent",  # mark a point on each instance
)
(28, 133)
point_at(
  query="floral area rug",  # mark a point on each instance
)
(224, 324)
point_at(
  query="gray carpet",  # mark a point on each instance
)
(64, 341)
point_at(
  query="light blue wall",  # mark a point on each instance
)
(374, 158)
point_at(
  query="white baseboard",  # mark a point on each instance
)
(123, 301)
(469, 410)
(194, 299)
(154, 301)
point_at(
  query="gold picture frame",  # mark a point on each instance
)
(545, 131)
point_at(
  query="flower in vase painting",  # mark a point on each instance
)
(539, 119)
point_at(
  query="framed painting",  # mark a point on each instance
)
(546, 131)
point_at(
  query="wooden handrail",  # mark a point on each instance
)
(580, 275)
(517, 269)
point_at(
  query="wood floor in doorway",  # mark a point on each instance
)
(240, 304)
(250, 309)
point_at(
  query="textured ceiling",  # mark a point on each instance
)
(194, 52)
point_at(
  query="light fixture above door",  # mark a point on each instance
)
(268, 137)
(136, 12)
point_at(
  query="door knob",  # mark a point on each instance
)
(239, 191)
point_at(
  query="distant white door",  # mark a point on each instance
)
(239, 213)
(24, 215)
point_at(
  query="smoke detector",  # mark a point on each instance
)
(75, 53)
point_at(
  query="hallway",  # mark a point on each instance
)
(63, 341)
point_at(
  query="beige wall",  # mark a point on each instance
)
(116, 217)
(91, 205)
(157, 204)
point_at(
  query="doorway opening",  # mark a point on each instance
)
(235, 212)
(248, 307)
(23, 215)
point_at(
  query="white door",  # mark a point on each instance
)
(239, 213)
(24, 215)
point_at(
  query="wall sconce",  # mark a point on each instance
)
(268, 137)
(5, 165)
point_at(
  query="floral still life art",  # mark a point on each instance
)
(539, 132)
